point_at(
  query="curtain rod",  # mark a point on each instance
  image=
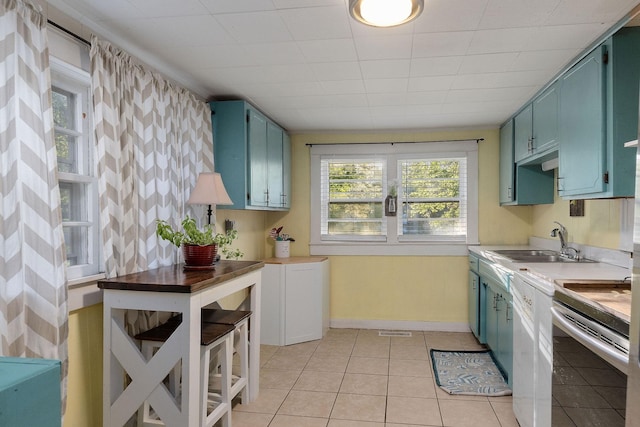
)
(74, 35)
(392, 143)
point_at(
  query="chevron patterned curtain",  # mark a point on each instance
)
(153, 139)
(33, 295)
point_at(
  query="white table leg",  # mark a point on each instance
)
(254, 341)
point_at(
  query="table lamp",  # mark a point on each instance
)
(209, 190)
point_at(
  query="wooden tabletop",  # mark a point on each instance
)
(295, 260)
(175, 278)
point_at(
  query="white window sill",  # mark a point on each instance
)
(84, 292)
(387, 249)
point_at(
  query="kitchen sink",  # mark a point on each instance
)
(536, 255)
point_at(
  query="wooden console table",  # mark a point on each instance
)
(170, 289)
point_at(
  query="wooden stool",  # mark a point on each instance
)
(217, 338)
(240, 320)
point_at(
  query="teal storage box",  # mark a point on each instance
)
(29, 392)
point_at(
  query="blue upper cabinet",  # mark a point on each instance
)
(598, 114)
(545, 120)
(521, 184)
(253, 155)
(506, 163)
(523, 129)
(582, 153)
(536, 128)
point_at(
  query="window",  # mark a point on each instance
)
(394, 199)
(76, 170)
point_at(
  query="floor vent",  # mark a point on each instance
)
(394, 334)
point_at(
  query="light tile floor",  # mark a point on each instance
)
(355, 378)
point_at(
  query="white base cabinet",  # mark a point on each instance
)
(295, 300)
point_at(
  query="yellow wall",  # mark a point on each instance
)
(84, 389)
(600, 225)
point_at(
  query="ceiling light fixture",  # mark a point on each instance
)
(385, 13)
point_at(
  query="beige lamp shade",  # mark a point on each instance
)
(209, 190)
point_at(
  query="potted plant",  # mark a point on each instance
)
(199, 246)
(282, 242)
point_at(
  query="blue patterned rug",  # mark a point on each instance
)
(468, 372)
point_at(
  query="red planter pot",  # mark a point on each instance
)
(196, 255)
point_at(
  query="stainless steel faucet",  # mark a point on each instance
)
(561, 232)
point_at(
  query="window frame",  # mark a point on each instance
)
(78, 82)
(393, 244)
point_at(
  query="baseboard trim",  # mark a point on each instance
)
(399, 325)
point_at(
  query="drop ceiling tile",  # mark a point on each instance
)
(423, 110)
(190, 31)
(427, 97)
(589, 11)
(288, 90)
(441, 44)
(385, 85)
(334, 50)
(549, 59)
(433, 83)
(501, 40)
(487, 63)
(331, 71)
(577, 36)
(487, 95)
(319, 101)
(436, 66)
(317, 23)
(381, 99)
(100, 11)
(219, 56)
(450, 15)
(255, 27)
(274, 53)
(172, 8)
(235, 6)
(385, 68)
(477, 107)
(334, 118)
(516, 13)
(291, 73)
(360, 30)
(497, 80)
(388, 47)
(290, 4)
(343, 86)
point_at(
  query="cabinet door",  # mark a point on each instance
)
(286, 170)
(504, 352)
(474, 301)
(272, 299)
(522, 128)
(303, 303)
(582, 127)
(491, 332)
(274, 166)
(546, 108)
(507, 164)
(258, 185)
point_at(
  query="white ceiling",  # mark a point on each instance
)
(310, 67)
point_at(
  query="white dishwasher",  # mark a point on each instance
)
(532, 350)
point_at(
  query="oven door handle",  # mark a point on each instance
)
(616, 358)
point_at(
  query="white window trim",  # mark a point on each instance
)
(403, 245)
(70, 77)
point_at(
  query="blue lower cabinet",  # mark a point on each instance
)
(498, 311)
(30, 392)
